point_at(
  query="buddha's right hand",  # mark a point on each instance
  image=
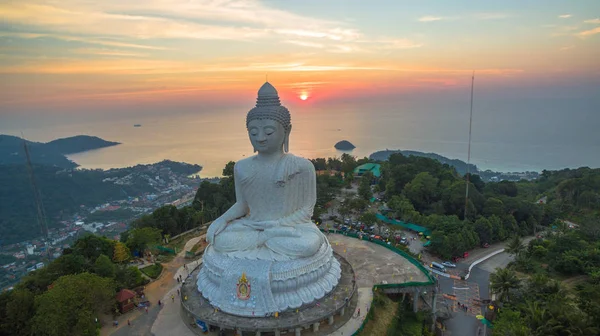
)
(214, 229)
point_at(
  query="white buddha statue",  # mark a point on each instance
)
(267, 238)
(275, 193)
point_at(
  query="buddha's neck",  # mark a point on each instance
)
(269, 157)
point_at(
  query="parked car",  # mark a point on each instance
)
(437, 266)
(448, 264)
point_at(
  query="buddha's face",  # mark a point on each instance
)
(266, 135)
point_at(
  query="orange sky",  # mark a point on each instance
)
(79, 54)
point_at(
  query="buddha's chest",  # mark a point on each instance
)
(262, 193)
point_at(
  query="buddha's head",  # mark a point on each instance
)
(269, 123)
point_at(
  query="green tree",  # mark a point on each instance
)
(19, 311)
(348, 164)
(364, 187)
(493, 206)
(401, 206)
(358, 204)
(129, 277)
(503, 281)
(368, 218)
(484, 230)
(510, 323)
(104, 267)
(92, 246)
(39, 280)
(319, 163)
(140, 239)
(422, 190)
(228, 170)
(121, 253)
(515, 246)
(344, 211)
(70, 306)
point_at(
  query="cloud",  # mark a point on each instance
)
(564, 30)
(336, 34)
(398, 44)
(123, 25)
(593, 21)
(430, 18)
(158, 19)
(305, 43)
(491, 16)
(587, 33)
(149, 66)
(110, 43)
(107, 52)
(565, 16)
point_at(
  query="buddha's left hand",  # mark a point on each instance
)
(263, 225)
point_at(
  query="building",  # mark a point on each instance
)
(374, 168)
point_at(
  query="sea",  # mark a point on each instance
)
(505, 137)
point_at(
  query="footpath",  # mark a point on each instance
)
(160, 289)
(365, 297)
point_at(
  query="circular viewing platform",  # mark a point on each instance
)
(311, 316)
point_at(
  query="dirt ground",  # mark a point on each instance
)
(154, 291)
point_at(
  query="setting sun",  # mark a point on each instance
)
(304, 96)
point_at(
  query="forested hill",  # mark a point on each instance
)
(13, 152)
(79, 143)
(460, 166)
(64, 191)
(51, 153)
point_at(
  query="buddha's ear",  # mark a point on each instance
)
(286, 140)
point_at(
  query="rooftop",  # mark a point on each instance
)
(374, 168)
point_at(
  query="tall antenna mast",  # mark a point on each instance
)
(41, 213)
(469, 147)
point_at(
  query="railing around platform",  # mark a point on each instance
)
(431, 280)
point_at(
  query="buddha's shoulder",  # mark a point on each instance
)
(300, 162)
(243, 163)
(291, 160)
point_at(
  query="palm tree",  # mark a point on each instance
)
(539, 319)
(515, 246)
(502, 282)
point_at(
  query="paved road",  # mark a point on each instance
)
(139, 326)
(464, 323)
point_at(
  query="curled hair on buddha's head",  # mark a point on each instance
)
(269, 107)
(276, 113)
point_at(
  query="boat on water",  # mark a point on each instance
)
(137, 125)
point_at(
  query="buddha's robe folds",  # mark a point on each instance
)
(280, 199)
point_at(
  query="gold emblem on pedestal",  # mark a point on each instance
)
(243, 288)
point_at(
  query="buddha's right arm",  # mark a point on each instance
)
(240, 208)
(236, 211)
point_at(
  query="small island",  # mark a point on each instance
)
(344, 145)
